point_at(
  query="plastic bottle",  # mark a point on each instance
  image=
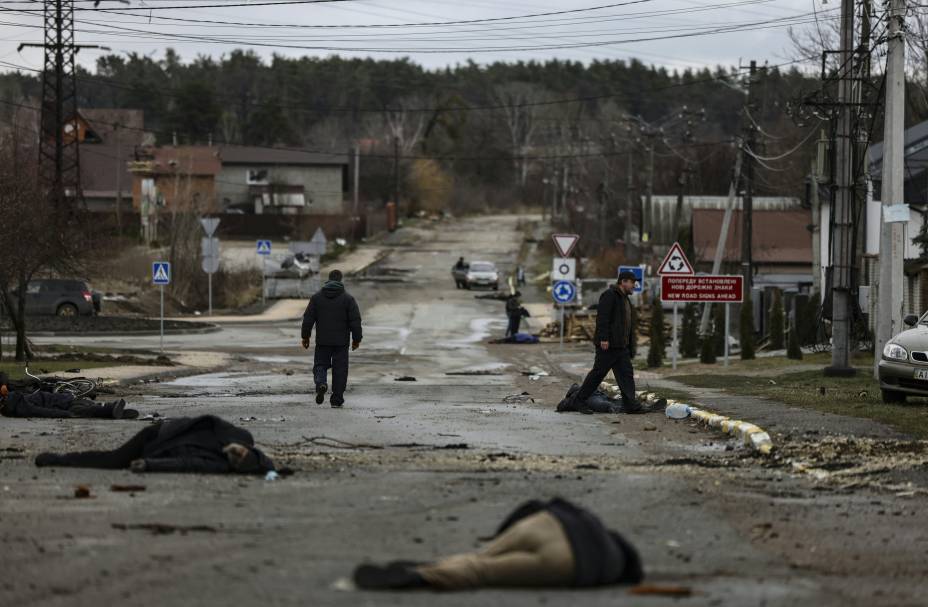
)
(677, 411)
(271, 476)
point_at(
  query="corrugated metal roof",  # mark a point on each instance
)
(239, 154)
(777, 236)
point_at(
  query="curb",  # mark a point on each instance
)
(750, 434)
(198, 331)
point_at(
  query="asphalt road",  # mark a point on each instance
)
(418, 469)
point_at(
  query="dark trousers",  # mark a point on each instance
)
(617, 360)
(514, 321)
(336, 358)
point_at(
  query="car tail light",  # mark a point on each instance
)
(87, 296)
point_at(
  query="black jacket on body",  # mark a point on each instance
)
(335, 314)
(601, 556)
(37, 404)
(194, 444)
(616, 320)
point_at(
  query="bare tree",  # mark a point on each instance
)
(519, 107)
(404, 124)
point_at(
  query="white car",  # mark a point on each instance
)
(482, 274)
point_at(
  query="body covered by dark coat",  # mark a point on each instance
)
(38, 404)
(616, 320)
(601, 556)
(335, 314)
(186, 444)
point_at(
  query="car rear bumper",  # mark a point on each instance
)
(898, 376)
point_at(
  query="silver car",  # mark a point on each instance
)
(903, 369)
(482, 274)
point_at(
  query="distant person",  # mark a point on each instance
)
(336, 315)
(615, 344)
(520, 276)
(514, 313)
(206, 444)
(460, 265)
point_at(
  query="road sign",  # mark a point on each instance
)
(565, 243)
(161, 273)
(564, 292)
(263, 247)
(209, 224)
(706, 288)
(638, 271)
(564, 268)
(676, 262)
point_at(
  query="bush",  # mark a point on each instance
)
(793, 350)
(707, 349)
(689, 341)
(776, 321)
(718, 331)
(656, 350)
(747, 328)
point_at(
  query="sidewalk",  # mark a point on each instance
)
(187, 363)
(281, 310)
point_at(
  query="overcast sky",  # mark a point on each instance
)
(608, 32)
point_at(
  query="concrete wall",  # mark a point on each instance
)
(322, 185)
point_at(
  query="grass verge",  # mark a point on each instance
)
(857, 396)
(16, 370)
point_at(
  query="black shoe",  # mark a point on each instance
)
(119, 408)
(633, 409)
(130, 414)
(336, 402)
(321, 389)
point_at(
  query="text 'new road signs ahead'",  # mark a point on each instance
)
(161, 272)
(565, 243)
(564, 291)
(263, 247)
(710, 288)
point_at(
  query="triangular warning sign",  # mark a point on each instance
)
(565, 243)
(676, 262)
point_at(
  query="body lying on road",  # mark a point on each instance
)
(540, 544)
(206, 444)
(16, 403)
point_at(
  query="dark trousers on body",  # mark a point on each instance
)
(514, 321)
(336, 358)
(619, 362)
(116, 459)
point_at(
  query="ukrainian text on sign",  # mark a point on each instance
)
(709, 288)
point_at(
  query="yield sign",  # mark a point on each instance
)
(209, 225)
(565, 243)
(676, 262)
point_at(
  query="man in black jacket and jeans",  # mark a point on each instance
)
(335, 314)
(615, 345)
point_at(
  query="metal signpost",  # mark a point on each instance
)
(709, 288)
(564, 292)
(263, 249)
(210, 249)
(675, 264)
(161, 275)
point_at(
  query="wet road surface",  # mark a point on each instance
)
(418, 469)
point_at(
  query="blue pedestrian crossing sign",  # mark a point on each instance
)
(638, 271)
(264, 247)
(564, 292)
(161, 272)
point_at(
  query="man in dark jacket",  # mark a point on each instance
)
(540, 544)
(615, 344)
(514, 313)
(335, 315)
(205, 444)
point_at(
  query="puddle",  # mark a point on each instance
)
(276, 359)
(480, 329)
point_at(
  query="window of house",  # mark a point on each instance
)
(257, 177)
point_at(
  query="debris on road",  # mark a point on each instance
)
(523, 397)
(82, 492)
(127, 488)
(164, 529)
(655, 590)
(405, 378)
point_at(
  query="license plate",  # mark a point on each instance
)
(921, 374)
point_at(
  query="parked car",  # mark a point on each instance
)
(903, 368)
(61, 297)
(482, 273)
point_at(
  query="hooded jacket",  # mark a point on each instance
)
(335, 314)
(601, 556)
(615, 320)
(37, 404)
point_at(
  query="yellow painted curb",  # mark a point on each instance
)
(751, 435)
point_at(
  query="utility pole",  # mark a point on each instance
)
(842, 208)
(682, 181)
(603, 197)
(649, 193)
(119, 169)
(629, 202)
(889, 311)
(357, 176)
(747, 209)
(59, 159)
(396, 172)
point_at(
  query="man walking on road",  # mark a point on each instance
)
(335, 314)
(615, 344)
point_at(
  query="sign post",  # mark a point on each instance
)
(161, 275)
(263, 249)
(210, 255)
(727, 308)
(675, 264)
(563, 293)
